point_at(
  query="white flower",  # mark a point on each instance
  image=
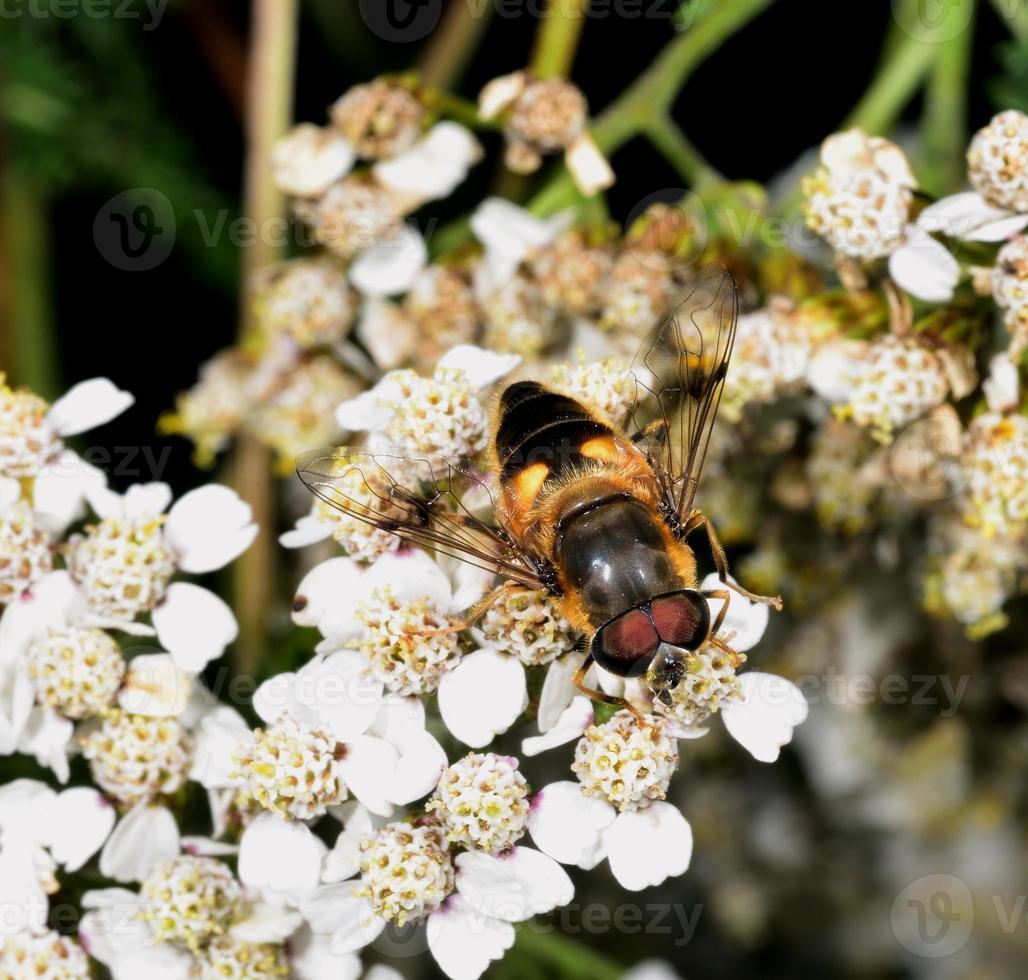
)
(43, 956)
(124, 564)
(41, 830)
(441, 414)
(30, 445)
(922, 266)
(468, 904)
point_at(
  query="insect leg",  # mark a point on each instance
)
(724, 596)
(699, 519)
(597, 695)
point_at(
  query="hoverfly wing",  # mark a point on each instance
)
(425, 500)
(679, 374)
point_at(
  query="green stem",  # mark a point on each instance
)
(651, 96)
(558, 37)
(893, 87)
(568, 958)
(269, 113)
(454, 42)
(1014, 13)
(668, 137)
(944, 125)
(31, 357)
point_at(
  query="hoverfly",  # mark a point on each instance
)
(595, 515)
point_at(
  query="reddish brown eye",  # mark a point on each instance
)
(626, 645)
(681, 619)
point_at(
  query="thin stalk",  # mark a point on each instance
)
(269, 112)
(29, 355)
(669, 139)
(557, 39)
(944, 125)
(892, 88)
(454, 42)
(652, 95)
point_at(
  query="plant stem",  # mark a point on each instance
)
(668, 137)
(454, 43)
(651, 96)
(569, 958)
(557, 39)
(893, 87)
(269, 113)
(944, 125)
(29, 342)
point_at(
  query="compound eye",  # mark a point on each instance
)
(626, 645)
(681, 618)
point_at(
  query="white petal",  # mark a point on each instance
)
(309, 159)
(155, 686)
(588, 166)
(482, 696)
(335, 909)
(60, 490)
(1002, 388)
(307, 530)
(833, 368)
(208, 847)
(46, 736)
(265, 921)
(925, 269)
(574, 720)
(367, 412)
(518, 884)
(194, 625)
(218, 737)
(390, 266)
(367, 759)
(281, 856)
(481, 367)
(745, 621)
(327, 595)
(311, 958)
(87, 405)
(410, 575)
(344, 860)
(77, 823)
(208, 528)
(763, 721)
(337, 693)
(999, 231)
(421, 762)
(569, 826)
(501, 93)
(959, 215)
(146, 499)
(464, 943)
(558, 690)
(645, 847)
(509, 233)
(55, 600)
(145, 835)
(431, 169)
